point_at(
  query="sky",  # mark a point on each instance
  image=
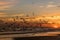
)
(24, 7)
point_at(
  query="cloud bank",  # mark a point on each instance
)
(4, 5)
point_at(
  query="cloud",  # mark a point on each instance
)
(4, 3)
(5, 7)
(2, 14)
(41, 6)
(51, 2)
(50, 6)
(17, 14)
(7, 4)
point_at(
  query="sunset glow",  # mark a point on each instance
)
(55, 26)
(45, 12)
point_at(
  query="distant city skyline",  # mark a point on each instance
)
(23, 7)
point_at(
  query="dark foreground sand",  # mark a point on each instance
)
(39, 38)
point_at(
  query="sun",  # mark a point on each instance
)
(55, 26)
